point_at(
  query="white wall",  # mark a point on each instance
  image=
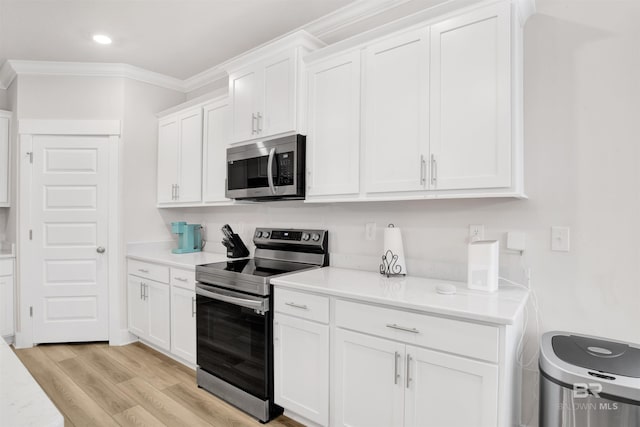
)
(582, 170)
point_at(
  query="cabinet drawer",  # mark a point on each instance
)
(6, 267)
(301, 304)
(183, 278)
(464, 338)
(159, 273)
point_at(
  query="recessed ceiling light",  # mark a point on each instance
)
(101, 39)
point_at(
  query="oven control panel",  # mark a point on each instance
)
(289, 235)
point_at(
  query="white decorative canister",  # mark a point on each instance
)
(393, 262)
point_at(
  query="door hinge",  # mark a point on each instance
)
(30, 311)
(30, 234)
(30, 154)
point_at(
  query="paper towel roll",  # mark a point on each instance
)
(393, 251)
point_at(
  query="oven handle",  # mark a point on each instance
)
(248, 303)
(272, 153)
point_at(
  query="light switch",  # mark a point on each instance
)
(560, 238)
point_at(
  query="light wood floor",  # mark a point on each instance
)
(133, 385)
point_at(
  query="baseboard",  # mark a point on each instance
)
(21, 342)
(122, 337)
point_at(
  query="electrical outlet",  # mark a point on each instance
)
(476, 232)
(370, 230)
(560, 238)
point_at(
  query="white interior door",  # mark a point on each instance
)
(4, 161)
(69, 220)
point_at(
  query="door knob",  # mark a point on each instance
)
(100, 249)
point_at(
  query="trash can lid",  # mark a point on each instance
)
(572, 360)
(597, 354)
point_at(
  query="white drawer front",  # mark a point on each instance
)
(159, 273)
(183, 278)
(301, 304)
(6, 267)
(467, 339)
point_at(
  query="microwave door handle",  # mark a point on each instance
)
(248, 303)
(272, 153)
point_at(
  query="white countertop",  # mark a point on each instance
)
(414, 293)
(22, 401)
(160, 252)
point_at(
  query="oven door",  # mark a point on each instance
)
(269, 169)
(233, 336)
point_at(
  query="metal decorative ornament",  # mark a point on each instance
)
(390, 266)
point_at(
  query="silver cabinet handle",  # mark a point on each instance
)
(181, 279)
(253, 124)
(423, 170)
(434, 170)
(173, 191)
(100, 249)
(177, 192)
(272, 154)
(294, 305)
(142, 270)
(259, 123)
(403, 328)
(193, 306)
(141, 292)
(396, 374)
(408, 369)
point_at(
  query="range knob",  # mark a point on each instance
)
(315, 237)
(305, 236)
(266, 234)
(258, 234)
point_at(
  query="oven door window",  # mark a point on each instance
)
(233, 344)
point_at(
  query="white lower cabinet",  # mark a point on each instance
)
(367, 383)
(183, 323)
(6, 298)
(385, 366)
(148, 309)
(301, 367)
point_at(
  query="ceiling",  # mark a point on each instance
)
(178, 38)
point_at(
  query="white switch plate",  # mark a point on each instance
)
(476, 232)
(370, 230)
(560, 239)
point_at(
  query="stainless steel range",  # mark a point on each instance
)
(235, 321)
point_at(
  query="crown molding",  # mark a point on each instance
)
(7, 74)
(93, 69)
(348, 15)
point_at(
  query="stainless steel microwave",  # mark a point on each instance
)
(267, 170)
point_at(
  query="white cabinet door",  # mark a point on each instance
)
(168, 155)
(301, 367)
(158, 305)
(137, 307)
(7, 304)
(183, 324)
(215, 142)
(190, 182)
(333, 142)
(396, 143)
(4, 161)
(367, 381)
(470, 100)
(244, 87)
(277, 111)
(449, 391)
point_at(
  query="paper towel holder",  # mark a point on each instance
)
(389, 266)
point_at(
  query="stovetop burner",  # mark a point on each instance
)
(258, 266)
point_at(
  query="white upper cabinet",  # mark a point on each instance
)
(396, 141)
(5, 120)
(266, 89)
(333, 143)
(180, 158)
(471, 100)
(215, 142)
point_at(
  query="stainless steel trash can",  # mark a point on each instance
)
(588, 381)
